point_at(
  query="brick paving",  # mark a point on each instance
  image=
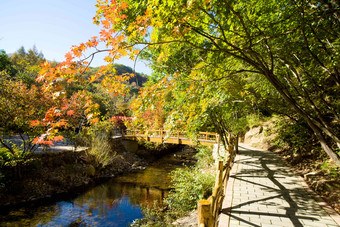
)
(263, 191)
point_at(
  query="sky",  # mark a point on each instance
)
(53, 26)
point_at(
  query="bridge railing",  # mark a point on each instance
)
(208, 210)
(209, 136)
(165, 135)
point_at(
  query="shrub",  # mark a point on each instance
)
(13, 157)
(190, 185)
(98, 137)
(153, 216)
(101, 150)
(331, 170)
(296, 135)
(204, 157)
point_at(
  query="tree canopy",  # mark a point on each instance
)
(286, 48)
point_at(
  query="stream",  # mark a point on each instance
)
(116, 202)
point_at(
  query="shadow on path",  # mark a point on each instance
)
(267, 189)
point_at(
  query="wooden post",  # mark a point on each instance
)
(204, 214)
(236, 144)
(229, 138)
(230, 149)
(219, 173)
(178, 137)
(161, 135)
(206, 136)
(230, 145)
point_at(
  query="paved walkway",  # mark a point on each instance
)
(263, 191)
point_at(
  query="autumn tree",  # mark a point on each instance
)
(291, 45)
(19, 106)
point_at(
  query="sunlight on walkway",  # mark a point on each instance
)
(265, 192)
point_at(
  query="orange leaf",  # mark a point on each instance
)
(34, 123)
(58, 138)
(70, 112)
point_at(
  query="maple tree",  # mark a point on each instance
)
(19, 106)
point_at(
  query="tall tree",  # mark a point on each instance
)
(27, 64)
(6, 67)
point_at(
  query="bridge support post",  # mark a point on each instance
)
(130, 145)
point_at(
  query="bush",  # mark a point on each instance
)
(204, 157)
(153, 216)
(12, 158)
(101, 150)
(296, 135)
(331, 170)
(98, 137)
(190, 185)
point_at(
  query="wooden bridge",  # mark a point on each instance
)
(162, 136)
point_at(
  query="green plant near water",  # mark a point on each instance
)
(101, 150)
(153, 216)
(98, 138)
(190, 185)
(204, 157)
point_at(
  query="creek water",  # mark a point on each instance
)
(117, 202)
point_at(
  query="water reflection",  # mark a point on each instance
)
(109, 204)
(114, 203)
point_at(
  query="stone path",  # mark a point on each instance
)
(263, 191)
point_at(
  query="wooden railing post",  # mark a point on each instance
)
(229, 138)
(219, 173)
(236, 144)
(204, 214)
(178, 137)
(161, 135)
(206, 136)
(230, 148)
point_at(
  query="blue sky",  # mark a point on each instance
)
(53, 26)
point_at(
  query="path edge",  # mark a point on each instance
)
(228, 199)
